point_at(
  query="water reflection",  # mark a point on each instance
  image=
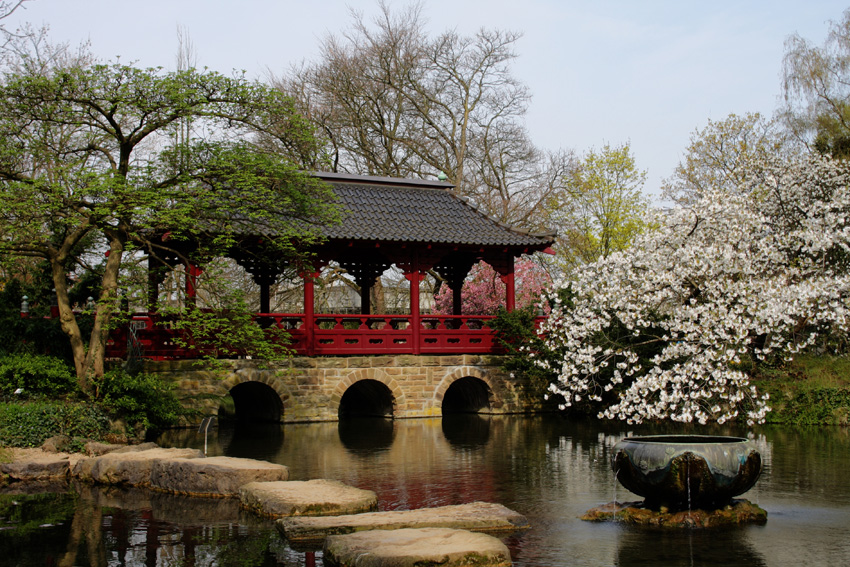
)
(366, 436)
(466, 430)
(247, 439)
(689, 548)
(548, 468)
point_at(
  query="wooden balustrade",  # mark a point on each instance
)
(332, 334)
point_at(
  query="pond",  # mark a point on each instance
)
(549, 468)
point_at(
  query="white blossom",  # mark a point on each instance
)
(758, 272)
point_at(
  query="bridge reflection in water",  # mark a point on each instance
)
(548, 468)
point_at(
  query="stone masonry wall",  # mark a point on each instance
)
(311, 388)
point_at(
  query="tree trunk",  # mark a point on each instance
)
(67, 319)
(94, 365)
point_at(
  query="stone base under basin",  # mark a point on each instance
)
(738, 512)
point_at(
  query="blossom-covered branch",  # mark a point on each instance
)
(665, 329)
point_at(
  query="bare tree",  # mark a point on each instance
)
(719, 155)
(816, 88)
(391, 100)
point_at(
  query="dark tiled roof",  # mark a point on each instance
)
(406, 210)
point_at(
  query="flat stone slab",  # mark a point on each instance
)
(128, 467)
(415, 547)
(475, 516)
(306, 498)
(213, 476)
(739, 512)
(38, 466)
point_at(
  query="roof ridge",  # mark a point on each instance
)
(389, 181)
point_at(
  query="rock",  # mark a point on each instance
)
(128, 467)
(37, 466)
(96, 449)
(56, 444)
(213, 476)
(306, 498)
(138, 447)
(476, 516)
(415, 547)
(738, 512)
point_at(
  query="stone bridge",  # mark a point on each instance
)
(304, 389)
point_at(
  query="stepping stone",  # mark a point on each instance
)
(130, 468)
(43, 466)
(306, 498)
(415, 547)
(213, 476)
(476, 516)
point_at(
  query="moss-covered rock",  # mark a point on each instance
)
(738, 512)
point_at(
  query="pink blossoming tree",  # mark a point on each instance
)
(484, 291)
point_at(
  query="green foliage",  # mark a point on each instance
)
(31, 424)
(38, 333)
(601, 208)
(35, 375)
(105, 134)
(809, 390)
(227, 332)
(515, 333)
(820, 406)
(142, 401)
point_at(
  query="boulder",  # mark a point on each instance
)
(147, 446)
(306, 498)
(415, 547)
(96, 448)
(736, 513)
(475, 516)
(128, 467)
(213, 476)
(37, 466)
(56, 444)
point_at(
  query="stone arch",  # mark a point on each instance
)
(371, 375)
(470, 389)
(261, 396)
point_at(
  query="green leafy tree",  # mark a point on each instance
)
(89, 151)
(601, 207)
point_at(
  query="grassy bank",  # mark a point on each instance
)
(810, 390)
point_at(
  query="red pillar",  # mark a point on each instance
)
(414, 276)
(510, 285)
(309, 314)
(192, 273)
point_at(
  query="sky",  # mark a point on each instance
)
(643, 72)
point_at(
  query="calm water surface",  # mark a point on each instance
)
(548, 468)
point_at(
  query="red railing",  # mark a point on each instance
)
(153, 338)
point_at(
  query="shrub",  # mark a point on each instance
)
(515, 333)
(35, 375)
(819, 406)
(142, 401)
(30, 424)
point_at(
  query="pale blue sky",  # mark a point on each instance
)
(615, 71)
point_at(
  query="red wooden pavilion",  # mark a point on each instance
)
(416, 225)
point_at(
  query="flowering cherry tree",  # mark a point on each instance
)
(484, 291)
(666, 329)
